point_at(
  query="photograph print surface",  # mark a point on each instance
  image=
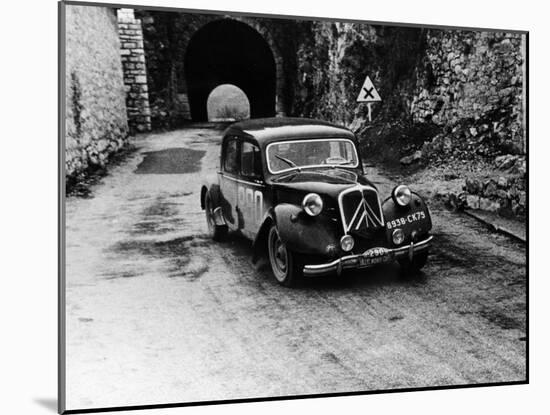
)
(266, 206)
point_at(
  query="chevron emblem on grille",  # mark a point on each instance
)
(358, 211)
(363, 213)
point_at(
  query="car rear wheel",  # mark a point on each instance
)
(411, 268)
(217, 232)
(286, 265)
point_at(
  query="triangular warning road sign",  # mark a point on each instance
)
(368, 92)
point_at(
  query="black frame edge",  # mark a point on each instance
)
(290, 397)
(61, 374)
(284, 16)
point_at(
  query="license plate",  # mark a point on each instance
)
(374, 256)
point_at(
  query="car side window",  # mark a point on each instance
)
(251, 162)
(231, 162)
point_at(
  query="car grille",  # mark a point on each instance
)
(360, 210)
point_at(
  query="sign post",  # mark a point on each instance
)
(368, 94)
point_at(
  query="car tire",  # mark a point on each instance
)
(286, 265)
(412, 268)
(217, 232)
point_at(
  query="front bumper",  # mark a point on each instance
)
(368, 258)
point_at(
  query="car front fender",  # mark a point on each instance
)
(304, 234)
(414, 220)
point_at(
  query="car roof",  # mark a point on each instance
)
(267, 130)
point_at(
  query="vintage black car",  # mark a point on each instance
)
(297, 188)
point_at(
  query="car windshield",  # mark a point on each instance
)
(290, 155)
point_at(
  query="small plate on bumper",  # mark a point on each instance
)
(374, 256)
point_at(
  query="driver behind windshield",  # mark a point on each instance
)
(317, 153)
(301, 154)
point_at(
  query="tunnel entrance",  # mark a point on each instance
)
(227, 102)
(230, 52)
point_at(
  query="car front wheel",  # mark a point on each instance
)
(412, 268)
(286, 265)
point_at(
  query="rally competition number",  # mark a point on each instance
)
(251, 203)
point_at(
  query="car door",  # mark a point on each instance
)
(250, 188)
(229, 172)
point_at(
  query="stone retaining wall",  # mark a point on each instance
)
(96, 122)
(505, 193)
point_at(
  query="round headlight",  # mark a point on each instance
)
(347, 243)
(402, 195)
(398, 236)
(312, 204)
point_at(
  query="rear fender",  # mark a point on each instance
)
(210, 183)
(216, 197)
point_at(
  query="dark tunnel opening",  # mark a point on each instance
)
(230, 52)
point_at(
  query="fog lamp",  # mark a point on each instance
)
(347, 243)
(398, 236)
(402, 195)
(312, 204)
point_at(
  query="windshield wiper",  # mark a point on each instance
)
(289, 162)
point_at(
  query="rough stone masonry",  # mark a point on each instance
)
(96, 122)
(475, 76)
(135, 73)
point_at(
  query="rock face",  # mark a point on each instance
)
(476, 77)
(333, 60)
(467, 84)
(96, 121)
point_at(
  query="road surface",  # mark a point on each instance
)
(159, 313)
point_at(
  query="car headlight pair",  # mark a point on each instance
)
(313, 206)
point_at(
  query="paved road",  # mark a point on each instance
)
(157, 313)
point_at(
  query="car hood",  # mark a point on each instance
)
(328, 181)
